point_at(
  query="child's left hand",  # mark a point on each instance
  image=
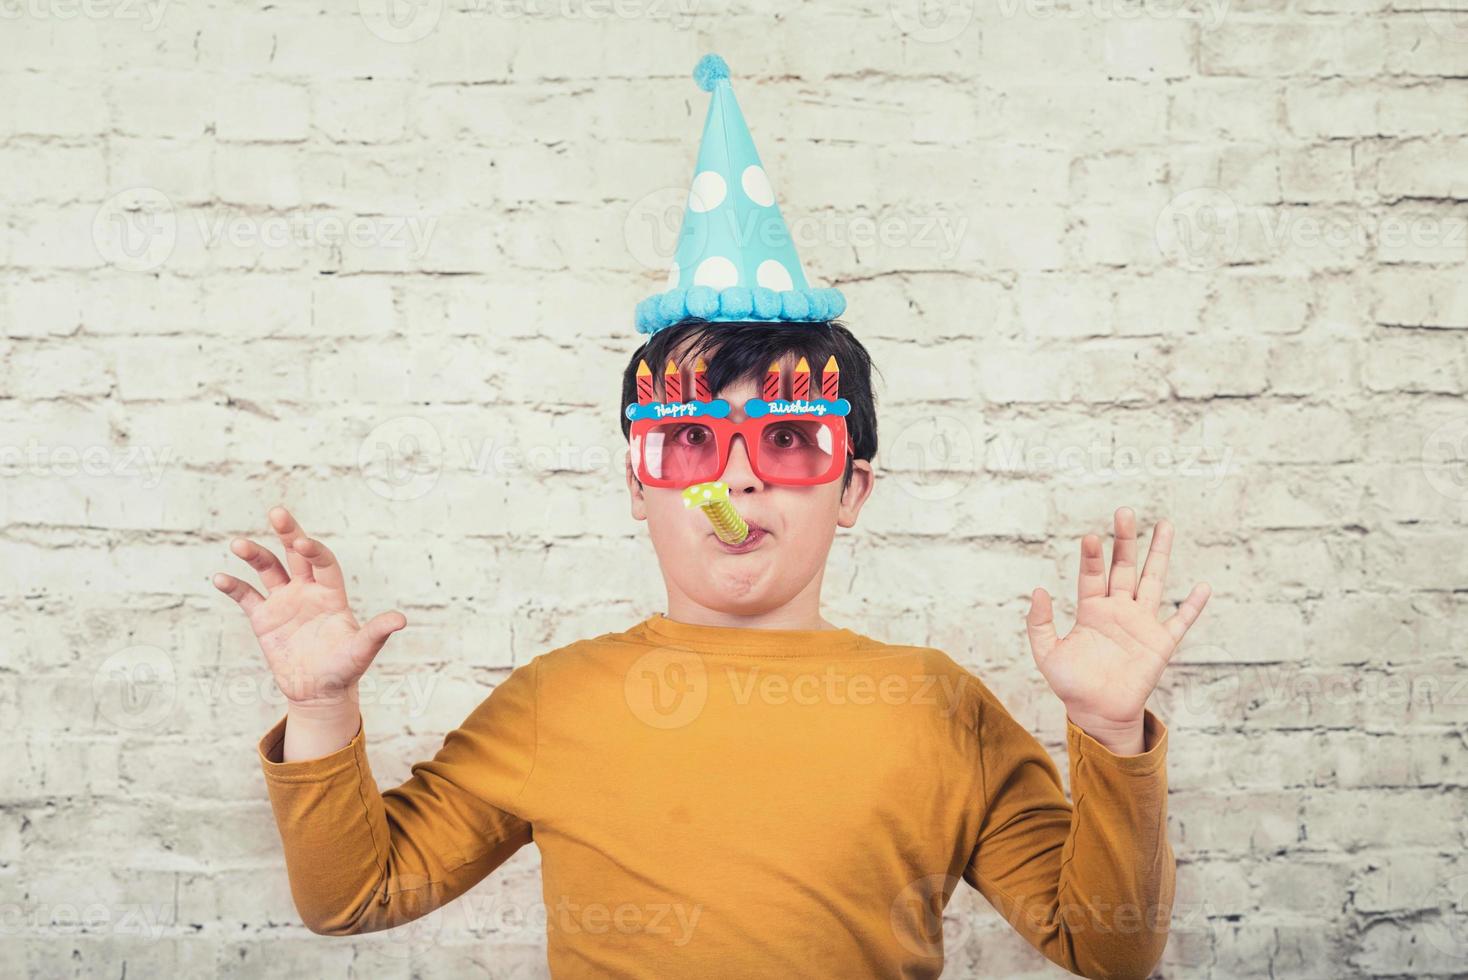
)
(1107, 665)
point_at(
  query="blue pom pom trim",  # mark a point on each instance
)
(664, 309)
(710, 70)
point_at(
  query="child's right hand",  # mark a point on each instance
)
(311, 641)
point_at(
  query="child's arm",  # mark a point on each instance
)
(360, 860)
(1091, 886)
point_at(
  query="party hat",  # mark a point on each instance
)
(735, 259)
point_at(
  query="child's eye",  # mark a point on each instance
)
(691, 435)
(785, 437)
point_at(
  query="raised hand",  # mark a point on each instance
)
(1105, 668)
(313, 644)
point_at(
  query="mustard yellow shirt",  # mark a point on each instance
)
(723, 802)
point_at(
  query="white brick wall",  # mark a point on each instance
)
(1205, 259)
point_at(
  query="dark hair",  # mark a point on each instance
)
(744, 352)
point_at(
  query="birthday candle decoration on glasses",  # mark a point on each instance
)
(644, 384)
(672, 383)
(830, 380)
(701, 381)
(800, 383)
(772, 382)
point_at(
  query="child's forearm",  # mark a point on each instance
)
(314, 731)
(1125, 738)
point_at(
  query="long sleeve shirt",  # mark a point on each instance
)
(715, 801)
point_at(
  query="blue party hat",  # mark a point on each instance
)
(735, 259)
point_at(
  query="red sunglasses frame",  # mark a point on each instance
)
(751, 429)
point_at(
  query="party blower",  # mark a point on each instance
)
(713, 500)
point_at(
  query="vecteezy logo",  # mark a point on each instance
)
(1445, 459)
(654, 232)
(932, 458)
(401, 459)
(135, 230)
(1449, 931)
(401, 21)
(667, 688)
(917, 917)
(135, 688)
(419, 934)
(932, 21)
(1199, 229)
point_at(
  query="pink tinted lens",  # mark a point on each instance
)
(796, 449)
(681, 452)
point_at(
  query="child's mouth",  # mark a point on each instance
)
(756, 535)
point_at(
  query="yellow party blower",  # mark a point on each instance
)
(713, 500)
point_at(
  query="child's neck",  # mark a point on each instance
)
(802, 612)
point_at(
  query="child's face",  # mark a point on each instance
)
(791, 532)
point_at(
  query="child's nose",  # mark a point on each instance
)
(738, 472)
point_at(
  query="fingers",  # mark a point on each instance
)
(374, 634)
(288, 531)
(241, 592)
(323, 563)
(1040, 625)
(1092, 581)
(272, 573)
(1154, 572)
(1124, 554)
(1187, 614)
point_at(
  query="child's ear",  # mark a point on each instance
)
(634, 487)
(856, 492)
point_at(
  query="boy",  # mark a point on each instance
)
(737, 787)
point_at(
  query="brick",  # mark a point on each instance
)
(1409, 882)
(1435, 363)
(1419, 298)
(262, 112)
(1429, 43)
(33, 100)
(1424, 168)
(1228, 108)
(1426, 234)
(159, 104)
(361, 111)
(1333, 107)
(1267, 304)
(53, 173)
(1352, 819)
(1238, 47)
(1301, 947)
(1311, 366)
(1204, 369)
(1317, 173)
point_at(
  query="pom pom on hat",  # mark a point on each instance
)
(673, 305)
(766, 303)
(709, 70)
(736, 302)
(702, 301)
(793, 305)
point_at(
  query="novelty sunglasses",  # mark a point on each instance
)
(795, 440)
(789, 450)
